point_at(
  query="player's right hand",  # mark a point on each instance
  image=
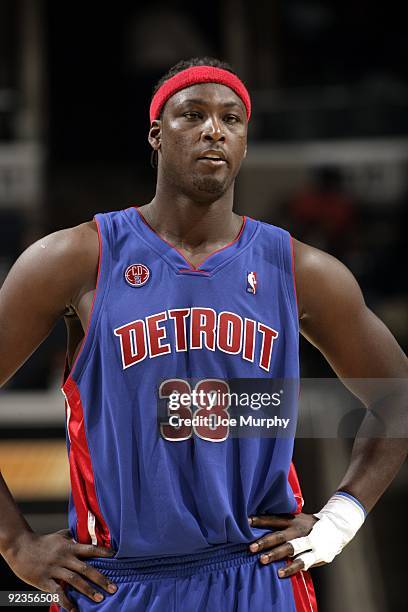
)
(48, 561)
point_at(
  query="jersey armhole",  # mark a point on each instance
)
(288, 275)
(292, 250)
(102, 284)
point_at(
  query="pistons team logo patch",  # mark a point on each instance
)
(252, 282)
(137, 275)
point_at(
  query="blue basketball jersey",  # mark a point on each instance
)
(158, 325)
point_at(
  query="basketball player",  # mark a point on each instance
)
(183, 295)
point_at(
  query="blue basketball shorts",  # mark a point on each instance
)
(229, 578)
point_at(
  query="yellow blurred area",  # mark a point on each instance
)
(35, 469)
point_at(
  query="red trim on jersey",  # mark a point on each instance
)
(187, 270)
(191, 267)
(303, 592)
(295, 486)
(302, 584)
(293, 270)
(69, 378)
(81, 472)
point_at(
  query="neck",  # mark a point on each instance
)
(190, 224)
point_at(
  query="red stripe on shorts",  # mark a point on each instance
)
(302, 584)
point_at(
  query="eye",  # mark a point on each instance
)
(232, 119)
(192, 115)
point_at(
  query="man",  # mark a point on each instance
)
(179, 296)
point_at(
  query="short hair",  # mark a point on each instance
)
(194, 61)
(183, 65)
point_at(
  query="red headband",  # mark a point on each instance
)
(193, 76)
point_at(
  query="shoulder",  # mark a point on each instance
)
(72, 241)
(335, 318)
(59, 265)
(76, 246)
(309, 259)
(322, 281)
(74, 253)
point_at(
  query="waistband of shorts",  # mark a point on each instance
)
(124, 570)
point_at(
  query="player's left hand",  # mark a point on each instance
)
(275, 546)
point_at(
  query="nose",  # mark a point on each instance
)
(213, 130)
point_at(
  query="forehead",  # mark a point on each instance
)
(211, 94)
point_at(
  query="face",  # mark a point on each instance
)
(201, 139)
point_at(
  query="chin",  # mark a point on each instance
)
(210, 185)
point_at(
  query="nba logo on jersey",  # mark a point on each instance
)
(137, 275)
(251, 282)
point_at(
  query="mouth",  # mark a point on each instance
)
(213, 158)
(212, 161)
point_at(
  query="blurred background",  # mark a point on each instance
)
(328, 160)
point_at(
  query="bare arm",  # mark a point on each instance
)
(56, 272)
(335, 319)
(48, 277)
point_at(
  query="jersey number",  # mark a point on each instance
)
(213, 411)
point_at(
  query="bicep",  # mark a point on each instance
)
(336, 320)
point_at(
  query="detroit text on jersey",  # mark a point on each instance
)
(225, 331)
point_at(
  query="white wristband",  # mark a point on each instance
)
(339, 521)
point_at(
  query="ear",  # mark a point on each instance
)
(154, 136)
